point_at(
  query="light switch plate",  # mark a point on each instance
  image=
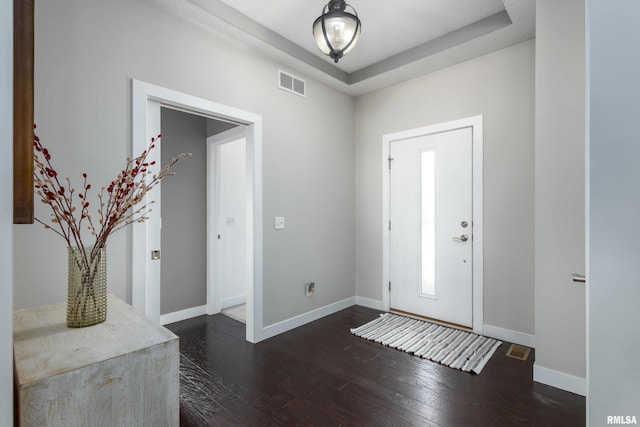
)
(279, 223)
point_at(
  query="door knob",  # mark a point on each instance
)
(462, 238)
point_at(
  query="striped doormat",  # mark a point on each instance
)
(452, 347)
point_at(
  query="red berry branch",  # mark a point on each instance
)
(117, 203)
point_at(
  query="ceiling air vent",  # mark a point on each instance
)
(291, 83)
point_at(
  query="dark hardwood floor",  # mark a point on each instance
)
(321, 375)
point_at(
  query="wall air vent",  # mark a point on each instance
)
(291, 83)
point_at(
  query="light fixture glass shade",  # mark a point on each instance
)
(336, 32)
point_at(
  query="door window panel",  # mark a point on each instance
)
(428, 226)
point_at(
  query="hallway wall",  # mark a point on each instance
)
(560, 194)
(184, 213)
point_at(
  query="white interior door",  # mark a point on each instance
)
(431, 236)
(231, 222)
(228, 278)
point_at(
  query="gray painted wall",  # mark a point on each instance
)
(184, 213)
(6, 212)
(83, 98)
(499, 86)
(559, 189)
(215, 127)
(614, 204)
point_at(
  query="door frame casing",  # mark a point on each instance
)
(145, 293)
(476, 124)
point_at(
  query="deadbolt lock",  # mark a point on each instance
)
(464, 224)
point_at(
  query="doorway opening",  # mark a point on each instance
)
(441, 166)
(147, 101)
(209, 194)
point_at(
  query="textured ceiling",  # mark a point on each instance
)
(401, 39)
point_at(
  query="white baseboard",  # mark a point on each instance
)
(232, 302)
(560, 380)
(369, 302)
(509, 335)
(294, 322)
(185, 314)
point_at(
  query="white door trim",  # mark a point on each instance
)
(476, 123)
(144, 294)
(214, 297)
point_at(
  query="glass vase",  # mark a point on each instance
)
(87, 287)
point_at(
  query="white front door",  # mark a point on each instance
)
(431, 235)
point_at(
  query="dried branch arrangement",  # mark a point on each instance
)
(117, 203)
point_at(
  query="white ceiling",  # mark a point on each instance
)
(401, 39)
(388, 27)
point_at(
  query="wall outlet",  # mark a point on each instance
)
(310, 288)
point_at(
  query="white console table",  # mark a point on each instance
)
(122, 372)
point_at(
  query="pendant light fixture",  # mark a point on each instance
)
(337, 31)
